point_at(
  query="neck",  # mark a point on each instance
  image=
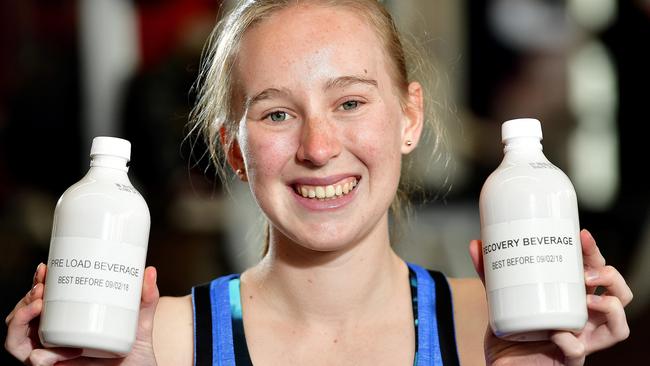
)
(335, 287)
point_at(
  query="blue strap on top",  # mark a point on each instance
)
(223, 351)
(428, 345)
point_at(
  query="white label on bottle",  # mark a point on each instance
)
(95, 271)
(523, 252)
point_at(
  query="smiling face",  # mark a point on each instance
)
(323, 131)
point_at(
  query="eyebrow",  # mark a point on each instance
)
(340, 82)
(345, 81)
(265, 94)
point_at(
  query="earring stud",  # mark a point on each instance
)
(409, 142)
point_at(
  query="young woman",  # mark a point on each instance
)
(311, 104)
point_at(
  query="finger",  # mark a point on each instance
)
(572, 348)
(592, 258)
(477, 258)
(615, 327)
(18, 342)
(149, 301)
(38, 268)
(35, 293)
(612, 280)
(29, 296)
(50, 356)
(41, 273)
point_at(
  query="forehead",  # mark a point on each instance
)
(310, 41)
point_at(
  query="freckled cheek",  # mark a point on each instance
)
(377, 143)
(267, 155)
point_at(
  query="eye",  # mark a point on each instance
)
(278, 116)
(350, 105)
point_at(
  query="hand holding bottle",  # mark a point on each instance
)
(530, 232)
(24, 344)
(606, 323)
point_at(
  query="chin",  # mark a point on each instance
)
(324, 247)
(324, 236)
(323, 241)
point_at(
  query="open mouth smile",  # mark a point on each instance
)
(326, 192)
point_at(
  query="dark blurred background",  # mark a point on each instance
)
(74, 69)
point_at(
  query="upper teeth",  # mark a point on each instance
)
(330, 191)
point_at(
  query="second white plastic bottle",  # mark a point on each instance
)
(97, 257)
(530, 231)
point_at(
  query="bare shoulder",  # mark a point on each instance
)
(471, 318)
(173, 331)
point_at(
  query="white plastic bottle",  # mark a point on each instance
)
(530, 231)
(97, 256)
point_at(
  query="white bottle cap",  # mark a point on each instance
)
(104, 145)
(521, 127)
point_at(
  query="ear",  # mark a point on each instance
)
(413, 117)
(233, 154)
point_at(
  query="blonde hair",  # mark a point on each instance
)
(215, 110)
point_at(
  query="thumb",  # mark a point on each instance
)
(477, 258)
(52, 356)
(148, 303)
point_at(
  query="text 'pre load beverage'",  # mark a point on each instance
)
(96, 260)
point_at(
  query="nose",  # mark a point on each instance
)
(319, 142)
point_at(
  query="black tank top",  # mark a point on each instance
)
(219, 328)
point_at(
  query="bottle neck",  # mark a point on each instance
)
(529, 144)
(108, 161)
